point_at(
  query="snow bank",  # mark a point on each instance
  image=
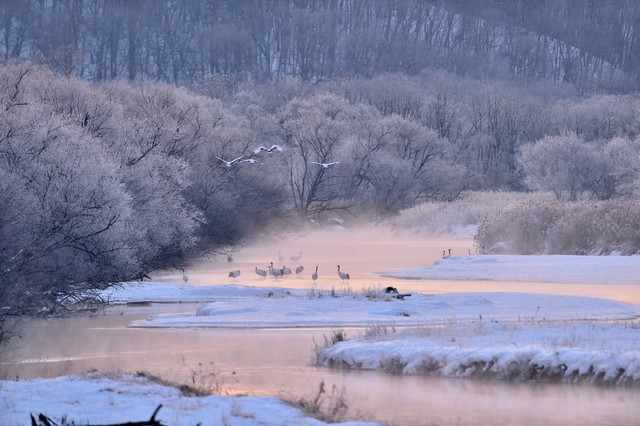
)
(92, 398)
(542, 268)
(544, 352)
(294, 309)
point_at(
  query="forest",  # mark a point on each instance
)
(130, 135)
(590, 44)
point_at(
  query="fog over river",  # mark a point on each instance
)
(278, 361)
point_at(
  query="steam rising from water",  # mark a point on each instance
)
(359, 252)
(363, 253)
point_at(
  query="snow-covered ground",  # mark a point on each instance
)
(591, 352)
(502, 335)
(258, 307)
(96, 399)
(542, 268)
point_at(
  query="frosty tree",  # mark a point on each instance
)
(78, 215)
(316, 129)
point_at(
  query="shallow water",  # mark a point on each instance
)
(364, 254)
(278, 361)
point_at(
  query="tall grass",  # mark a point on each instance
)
(461, 217)
(365, 292)
(330, 407)
(578, 228)
(529, 223)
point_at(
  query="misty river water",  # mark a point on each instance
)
(278, 361)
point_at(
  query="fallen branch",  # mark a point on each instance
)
(46, 421)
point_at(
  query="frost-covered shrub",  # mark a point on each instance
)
(583, 228)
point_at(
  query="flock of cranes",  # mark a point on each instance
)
(269, 150)
(277, 272)
(285, 271)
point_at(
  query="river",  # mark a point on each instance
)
(278, 361)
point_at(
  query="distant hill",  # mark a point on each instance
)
(590, 44)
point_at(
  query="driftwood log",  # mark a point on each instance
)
(46, 421)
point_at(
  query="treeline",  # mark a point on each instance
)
(107, 182)
(589, 44)
(586, 35)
